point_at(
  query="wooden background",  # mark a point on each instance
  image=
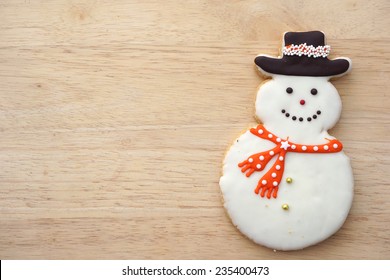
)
(115, 117)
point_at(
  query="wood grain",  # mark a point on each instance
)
(115, 117)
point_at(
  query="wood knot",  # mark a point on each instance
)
(82, 11)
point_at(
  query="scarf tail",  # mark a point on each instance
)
(269, 183)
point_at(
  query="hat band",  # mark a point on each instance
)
(307, 50)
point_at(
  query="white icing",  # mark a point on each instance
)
(321, 194)
(272, 98)
(319, 197)
(285, 145)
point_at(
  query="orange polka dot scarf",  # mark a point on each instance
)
(268, 185)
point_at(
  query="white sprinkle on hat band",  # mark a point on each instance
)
(303, 49)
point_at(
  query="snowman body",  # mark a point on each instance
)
(298, 109)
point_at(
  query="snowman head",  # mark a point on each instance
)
(299, 95)
(300, 102)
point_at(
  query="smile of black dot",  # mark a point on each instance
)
(294, 118)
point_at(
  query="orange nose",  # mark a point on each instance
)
(302, 102)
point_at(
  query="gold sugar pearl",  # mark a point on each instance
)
(289, 180)
(285, 207)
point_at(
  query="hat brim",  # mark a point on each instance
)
(303, 66)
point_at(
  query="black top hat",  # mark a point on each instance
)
(304, 54)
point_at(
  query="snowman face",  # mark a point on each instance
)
(301, 102)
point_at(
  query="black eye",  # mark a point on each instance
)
(289, 90)
(313, 91)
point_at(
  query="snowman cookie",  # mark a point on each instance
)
(287, 183)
